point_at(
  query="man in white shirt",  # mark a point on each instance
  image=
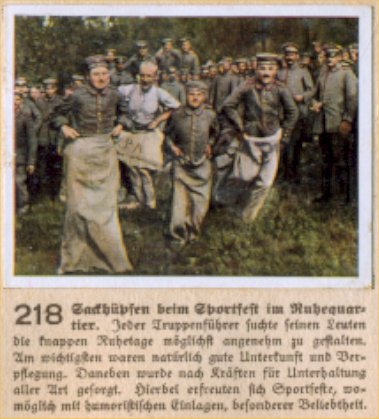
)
(140, 147)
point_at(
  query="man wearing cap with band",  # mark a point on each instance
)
(300, 84)
(89, 119)
(335, 108)
(167, 56)
(140, 148)
(190, 133)
(28, 106)
(174, 87)
(49, 163)
(189, 59)
(142, 55)
(254, 166)
(118, 75)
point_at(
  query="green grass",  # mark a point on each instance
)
(290, 237)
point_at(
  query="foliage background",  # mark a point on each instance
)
(56, 46)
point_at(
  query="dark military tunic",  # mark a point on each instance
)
(31, 109)
(223, 86)
(262, 108)
(167, 59)
(26, 151)
(190, 61)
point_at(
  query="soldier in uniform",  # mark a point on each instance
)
(167, 57)
(28, 106)
(118, 75)
(190, 133)
(110, 58)
(26, 151)
(242, 69)
(300, 84)
(174, 87)
(49, 162)
(140, 148)
(353, 50)
(189, 59)
(89, 119)
(224, 85)
(245, 182)
(142, 55)
(335, 106)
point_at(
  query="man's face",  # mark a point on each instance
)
(186, 46)
(17, 102)
(354, 54)
(142, 51)
(212, 72)
(99, 77)
(195, 98)
(167, 46)
(332, 59)
(266, 72)
(50, 90)
(35, 93)
(291, 57)
(242, 67)
(147, 76)
(110, 56)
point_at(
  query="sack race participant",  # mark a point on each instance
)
(247, 167)
(140, 147)
(190, 132)
(92, 238)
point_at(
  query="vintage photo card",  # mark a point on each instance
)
(189, 210)
(294, 205)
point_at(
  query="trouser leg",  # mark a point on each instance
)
(179, 211)
(22, 195)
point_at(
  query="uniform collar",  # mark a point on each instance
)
(260, 86)
(198, 111)
(335, 68)
(96, 92)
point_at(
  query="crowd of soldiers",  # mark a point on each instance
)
(314, 97)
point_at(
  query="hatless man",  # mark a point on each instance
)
(140, 147)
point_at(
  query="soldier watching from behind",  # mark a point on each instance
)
(142, 55)
(335, 106)
(26, 152)
(49, 162)
(28, 106)
(174, 87)
(118, 75)
(300, 84)
(189, 59)
(167, 57)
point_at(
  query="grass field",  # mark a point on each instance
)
(292, 236)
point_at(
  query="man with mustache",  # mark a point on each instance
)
(140, 147)
(246, 180)
(90, 119)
